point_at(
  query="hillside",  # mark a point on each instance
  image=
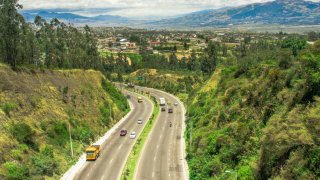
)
(284, 12)
(175, 82)
(259, 118)
(70, 17)
(36, 108)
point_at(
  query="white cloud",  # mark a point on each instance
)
(139, 8)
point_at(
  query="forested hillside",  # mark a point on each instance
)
(44, 44)
(258, 117)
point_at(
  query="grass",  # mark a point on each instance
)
(133, 158)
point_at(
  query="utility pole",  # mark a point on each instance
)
(191, 128)
(71, 148)
(110, 112)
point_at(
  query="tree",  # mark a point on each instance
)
(210, 59)
(173, 60)
(10, 21)
(296, 44)
(192, 63)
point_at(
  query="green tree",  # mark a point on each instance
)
(10, 22)
(210, 59)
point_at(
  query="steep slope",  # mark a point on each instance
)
(260, 122)
(36, 109)
(291, 12)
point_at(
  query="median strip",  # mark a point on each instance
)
(128, 170)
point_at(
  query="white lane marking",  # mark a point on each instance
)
(110, 161)
(120, 147)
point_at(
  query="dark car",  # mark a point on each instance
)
(170, 110)
(123, 132)
(128, 96)
(163, 109)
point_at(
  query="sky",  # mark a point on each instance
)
(143, 9)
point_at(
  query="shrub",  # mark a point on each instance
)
(13, 170)
(245, 173)
(44, 163)
(23, 133)
(58, 133)
(7, 107)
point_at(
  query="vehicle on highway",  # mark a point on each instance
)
(170, 110)
(147, 92)
(170, 124)
(123, 132)
(162, 101)
(169, 103)
(130, 85)
(128, 96)
(163, 109)
(175, 104)
(140, 99)
(93, 152)
(139, 121)
(133, 135)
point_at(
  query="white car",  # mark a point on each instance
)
(175, 104)
(139, 121)
(133, 135)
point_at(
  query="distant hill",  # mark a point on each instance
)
(287, 12)
(73, 18)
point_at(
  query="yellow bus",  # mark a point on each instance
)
(93, 152)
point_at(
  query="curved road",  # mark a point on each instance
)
(163, 155)
(116, 149)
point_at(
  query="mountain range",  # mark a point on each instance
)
(287, 12)
(284, 12)
(70, 17)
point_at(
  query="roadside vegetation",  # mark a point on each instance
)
(258, 116)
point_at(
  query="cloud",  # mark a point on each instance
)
(138, 8)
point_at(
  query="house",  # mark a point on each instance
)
(155, 44)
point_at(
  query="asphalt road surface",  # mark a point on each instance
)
(161, 158)
(116, 149)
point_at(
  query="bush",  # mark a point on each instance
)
(245, 173)
(44, 163)
(23, 133)
(13, 170)
(116, 95)
(8, 107)
(58, 133)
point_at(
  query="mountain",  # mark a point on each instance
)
(290, 12)
(70, 17)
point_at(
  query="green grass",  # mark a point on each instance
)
(133, 158)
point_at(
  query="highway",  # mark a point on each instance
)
(116, 149)
(162, 157)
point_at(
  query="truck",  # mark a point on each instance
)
(93, 152)
(139, 99)
(162, 101)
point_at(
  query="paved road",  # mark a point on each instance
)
(116, 150)
(161, 157)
